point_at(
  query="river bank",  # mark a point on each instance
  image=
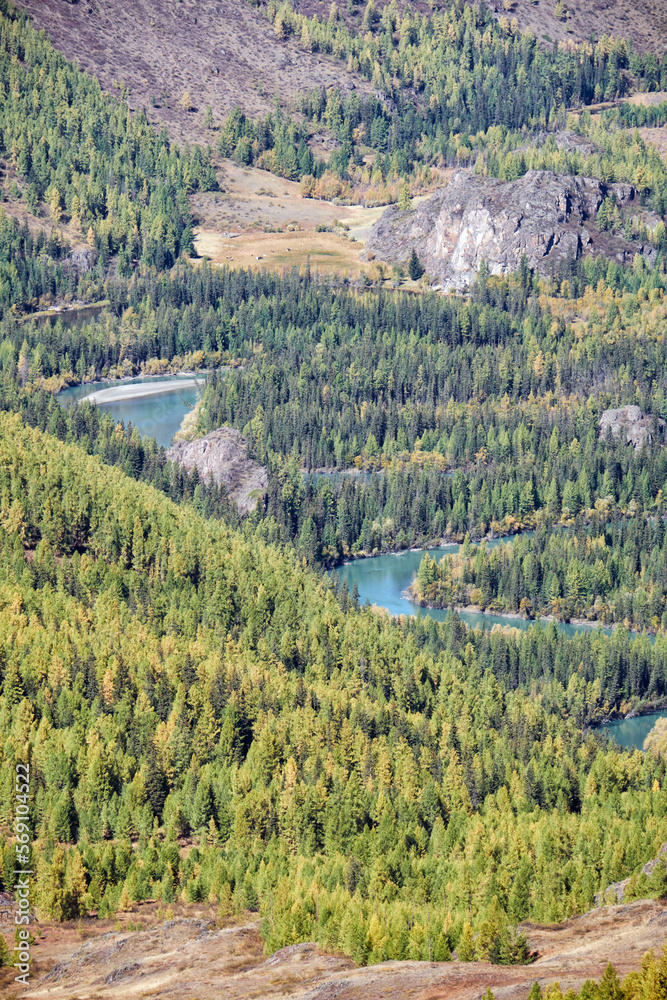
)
(156, 411)
(631, 731)
(445, 542)
(476, 609)
(69, 312)
(640, 711)
(384, 580)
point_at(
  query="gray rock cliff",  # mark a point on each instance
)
(222, 455)
(616, 891)
(633, 425)
(542, 215)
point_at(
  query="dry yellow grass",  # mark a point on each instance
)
(655, 136)
(183, 960)
(252, 197)
(325, 252)
(647, 100)
(232, 224)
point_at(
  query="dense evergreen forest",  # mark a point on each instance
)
(477, 416)
(179, 678)
(615, 575)
(77, 153)
(166, 675)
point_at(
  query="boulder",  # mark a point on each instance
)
(82, 259)
(632, 425)
(222, 454)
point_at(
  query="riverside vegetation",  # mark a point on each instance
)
(179, 678)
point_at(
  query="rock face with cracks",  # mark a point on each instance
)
(632, 425)
(544, 215)
(222, 454)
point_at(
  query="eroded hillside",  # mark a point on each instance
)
(175, 59)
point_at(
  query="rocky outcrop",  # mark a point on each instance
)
(616, 891)
(564, 139)
(82, 260)
(542, 215)
(632, 425)
(222, 454)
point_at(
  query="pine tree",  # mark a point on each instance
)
(465, 948)
(415, 269)
(404, 200)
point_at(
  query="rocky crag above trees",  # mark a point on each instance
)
(222, 455)
(632, 425)
(544, 215)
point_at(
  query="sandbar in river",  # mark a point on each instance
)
(123, 393)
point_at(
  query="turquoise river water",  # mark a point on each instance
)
(384, 580)
(632, 732)
(157, 416)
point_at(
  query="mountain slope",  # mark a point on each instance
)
(222, 52)
(225, 53)
(645, 21)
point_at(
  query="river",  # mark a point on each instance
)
(155, 412)
(384, 580)
(632, 732)
(381, 579)
(75, 316)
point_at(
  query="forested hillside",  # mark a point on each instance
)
(161, 672)
(76, 152)
(451, 88)
(477, 416)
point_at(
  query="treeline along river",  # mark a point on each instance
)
(383, 580)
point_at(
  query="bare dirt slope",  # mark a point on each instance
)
(184, 959)
(353, 16)
(645, 21)
(223, 52)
